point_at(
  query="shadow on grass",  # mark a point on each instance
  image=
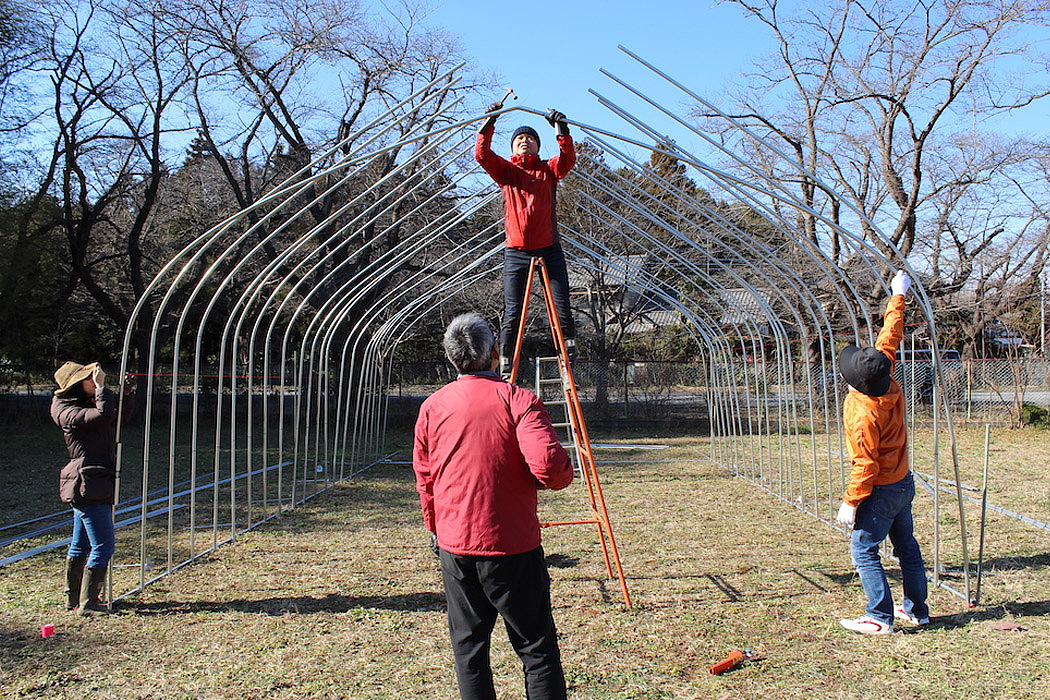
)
(1033, 561)
(302, 605)
(561, 561)
(996, 612)
(14, 637)
(999, 611)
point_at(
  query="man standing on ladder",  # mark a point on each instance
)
(529, 186)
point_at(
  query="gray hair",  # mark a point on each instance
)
(468, 343)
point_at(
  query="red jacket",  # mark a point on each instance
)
(529, 186)
(874, 426)
(483, 448)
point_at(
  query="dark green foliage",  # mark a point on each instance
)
(33, 290)
(1035, 416)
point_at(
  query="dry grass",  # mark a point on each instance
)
(342, 599)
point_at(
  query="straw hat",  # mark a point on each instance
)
(71, 374)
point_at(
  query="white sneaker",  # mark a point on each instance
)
(900, 614)
(866, 625)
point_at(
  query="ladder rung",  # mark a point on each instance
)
(571, 522)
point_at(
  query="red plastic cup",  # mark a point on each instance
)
(47, 630)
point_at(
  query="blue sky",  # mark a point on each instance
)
(551, 52)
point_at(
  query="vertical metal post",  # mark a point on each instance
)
(1042, 314)
(984, 512)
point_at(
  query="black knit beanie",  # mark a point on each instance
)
(525, 130)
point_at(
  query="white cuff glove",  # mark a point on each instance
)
(900, 284)
(847, 514)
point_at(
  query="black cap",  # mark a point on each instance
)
(525, 130)
(867, 371)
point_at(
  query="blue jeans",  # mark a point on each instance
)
(887, 512)
(93, 534)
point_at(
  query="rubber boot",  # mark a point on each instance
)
(74, 575)
(94, 580)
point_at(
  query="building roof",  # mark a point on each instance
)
(613, 271)
(744, 306)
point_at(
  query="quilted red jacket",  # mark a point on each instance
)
(529, 186)
(483, 448)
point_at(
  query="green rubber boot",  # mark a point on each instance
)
(74, 575)
(94, 580)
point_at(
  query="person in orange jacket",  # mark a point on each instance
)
(877, 502)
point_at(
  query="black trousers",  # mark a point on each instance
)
(515, 275)
(518, 588)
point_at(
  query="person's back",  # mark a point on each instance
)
(488, 447)
(483, 448)
(88, 425)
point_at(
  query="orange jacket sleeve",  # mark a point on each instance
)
(892, 328)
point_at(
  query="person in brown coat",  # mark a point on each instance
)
(86, 411)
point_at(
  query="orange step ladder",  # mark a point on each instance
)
(579, 443)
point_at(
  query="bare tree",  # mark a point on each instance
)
(277, 83)
(22, 45)
(1003, 272)
(264, 87)
(114, 100)
(875, 97)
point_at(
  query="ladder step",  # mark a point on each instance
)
(571, 522)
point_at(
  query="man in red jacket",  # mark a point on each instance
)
(529, 186)
(483, 448)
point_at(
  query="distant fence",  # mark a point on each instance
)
(978, 390)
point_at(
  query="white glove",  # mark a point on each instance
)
(847, 514)
(900, 284)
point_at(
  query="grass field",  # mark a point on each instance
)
(342, 599)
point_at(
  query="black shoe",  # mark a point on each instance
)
(570, 349)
